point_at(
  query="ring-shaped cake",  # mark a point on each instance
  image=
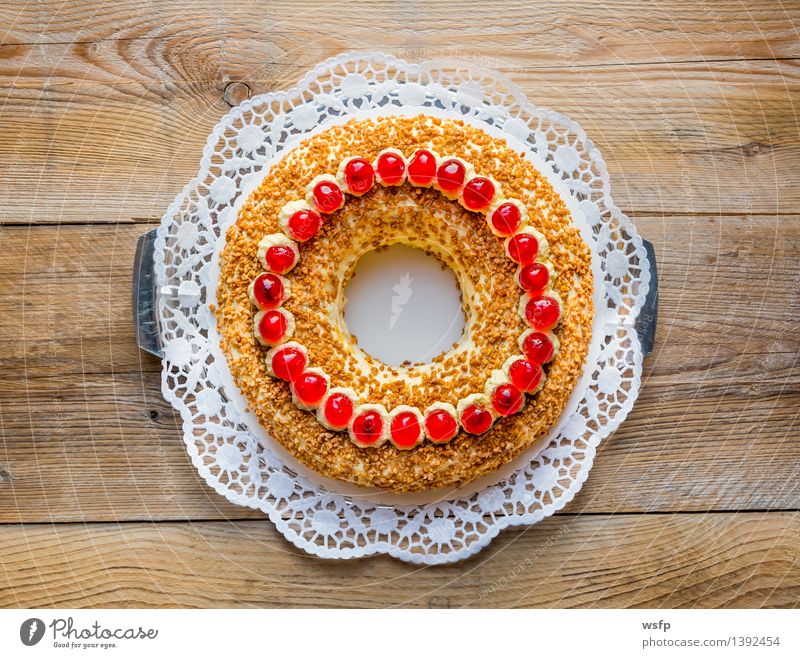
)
(487, 213)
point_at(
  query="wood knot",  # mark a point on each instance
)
(236, 93)
(438, 602)
(5, 475)
(754, 148)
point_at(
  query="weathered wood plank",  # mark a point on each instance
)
(729, 295)
(110, 449)
(714, 560)
(676, 138)
(622, 33)
(87, 435)
(104, 119)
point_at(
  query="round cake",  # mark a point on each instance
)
(486, 212)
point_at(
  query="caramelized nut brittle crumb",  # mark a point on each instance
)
(425, 219)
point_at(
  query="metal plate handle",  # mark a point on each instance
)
(145, 317)
(648, 316)
(143, 296)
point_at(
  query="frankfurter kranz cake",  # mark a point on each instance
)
(486, 212)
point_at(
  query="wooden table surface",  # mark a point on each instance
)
(106, 107)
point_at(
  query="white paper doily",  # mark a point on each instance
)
(316, 516)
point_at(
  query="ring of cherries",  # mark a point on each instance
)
(370, 425)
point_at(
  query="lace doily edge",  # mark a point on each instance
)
(499, 522)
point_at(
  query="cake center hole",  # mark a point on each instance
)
(403, 305)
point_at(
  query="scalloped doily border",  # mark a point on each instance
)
(430, 522)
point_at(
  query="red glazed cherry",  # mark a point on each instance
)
(525, 375)
(272, 326)
(506, 219)
(405, 429)
(310, 387)
(422, 168)
(391, 168)
(450, 176)
(280, 259)
(304, 224)
(476, 420)
(542, 312)
(359, 176)
(534, 277)
(368, 427)
(328, 196)
(478, 193)
(440, 425)
(288, 363)
(507, 399)
(538, 347)
(338, 410)
(522, 248)
(268, 291)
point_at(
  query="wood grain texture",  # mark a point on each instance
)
(714, 428)
(692, 107)
(601, 31)
(585, 561)
(104, 110)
